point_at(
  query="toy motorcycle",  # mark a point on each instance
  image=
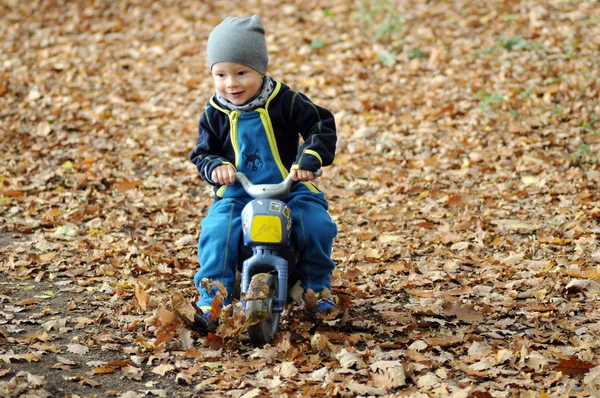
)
(271, 267)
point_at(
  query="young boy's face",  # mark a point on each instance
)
(236, 83)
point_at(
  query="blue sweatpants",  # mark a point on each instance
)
(312, 229)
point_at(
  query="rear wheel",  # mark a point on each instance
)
(263, 322)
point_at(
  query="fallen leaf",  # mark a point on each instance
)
(185, 240)
(252, 393)
(348, 359)
(418, 345)
(516, 225)
(592, 378)
(463, 312)
(132, 373)
(142, 296)
(321, 344)
(393, 371)
(163, 369)
(573, 366)
(427, 381)
(78, 349)
(583, 284)
(362, 389)
(286, 370)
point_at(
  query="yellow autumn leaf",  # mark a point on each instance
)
(372, 253)
(45, 294)
(389, 238)
(45, 257)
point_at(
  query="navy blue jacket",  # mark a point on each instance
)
(286, 116)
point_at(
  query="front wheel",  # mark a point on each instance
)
(262, 321)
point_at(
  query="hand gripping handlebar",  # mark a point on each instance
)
(269, 191)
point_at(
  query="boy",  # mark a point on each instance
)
(252, 124)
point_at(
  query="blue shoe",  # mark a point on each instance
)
(327, 309)
(203, 324)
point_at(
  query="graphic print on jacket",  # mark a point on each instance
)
(255, 158)
(253, 161)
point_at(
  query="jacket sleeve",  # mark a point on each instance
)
(317, 128)
(206, 155)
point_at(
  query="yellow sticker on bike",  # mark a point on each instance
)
(266, 229)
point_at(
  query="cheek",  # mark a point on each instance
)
(219, 85)
(256, 87)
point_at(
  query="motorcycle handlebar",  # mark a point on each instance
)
(269, 191)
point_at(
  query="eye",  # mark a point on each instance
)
(241, 73)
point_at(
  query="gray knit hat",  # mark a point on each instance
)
(239, 40)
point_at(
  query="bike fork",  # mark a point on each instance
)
(264, 259)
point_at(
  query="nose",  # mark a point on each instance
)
(232, 82)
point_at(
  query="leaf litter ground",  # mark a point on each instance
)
(465, 189)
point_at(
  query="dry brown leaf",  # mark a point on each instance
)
(573, 366)
(163, 369)
(321, 344)
(310, 299)
(165, 317)
(125, 185)
(183, 307)
(132, 372)
(389, 374)
(463, 312)
(79, 349)
(142, 296)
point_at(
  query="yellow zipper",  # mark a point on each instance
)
(266, 121)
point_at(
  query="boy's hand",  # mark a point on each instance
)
(302, 175)
(224, 175)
